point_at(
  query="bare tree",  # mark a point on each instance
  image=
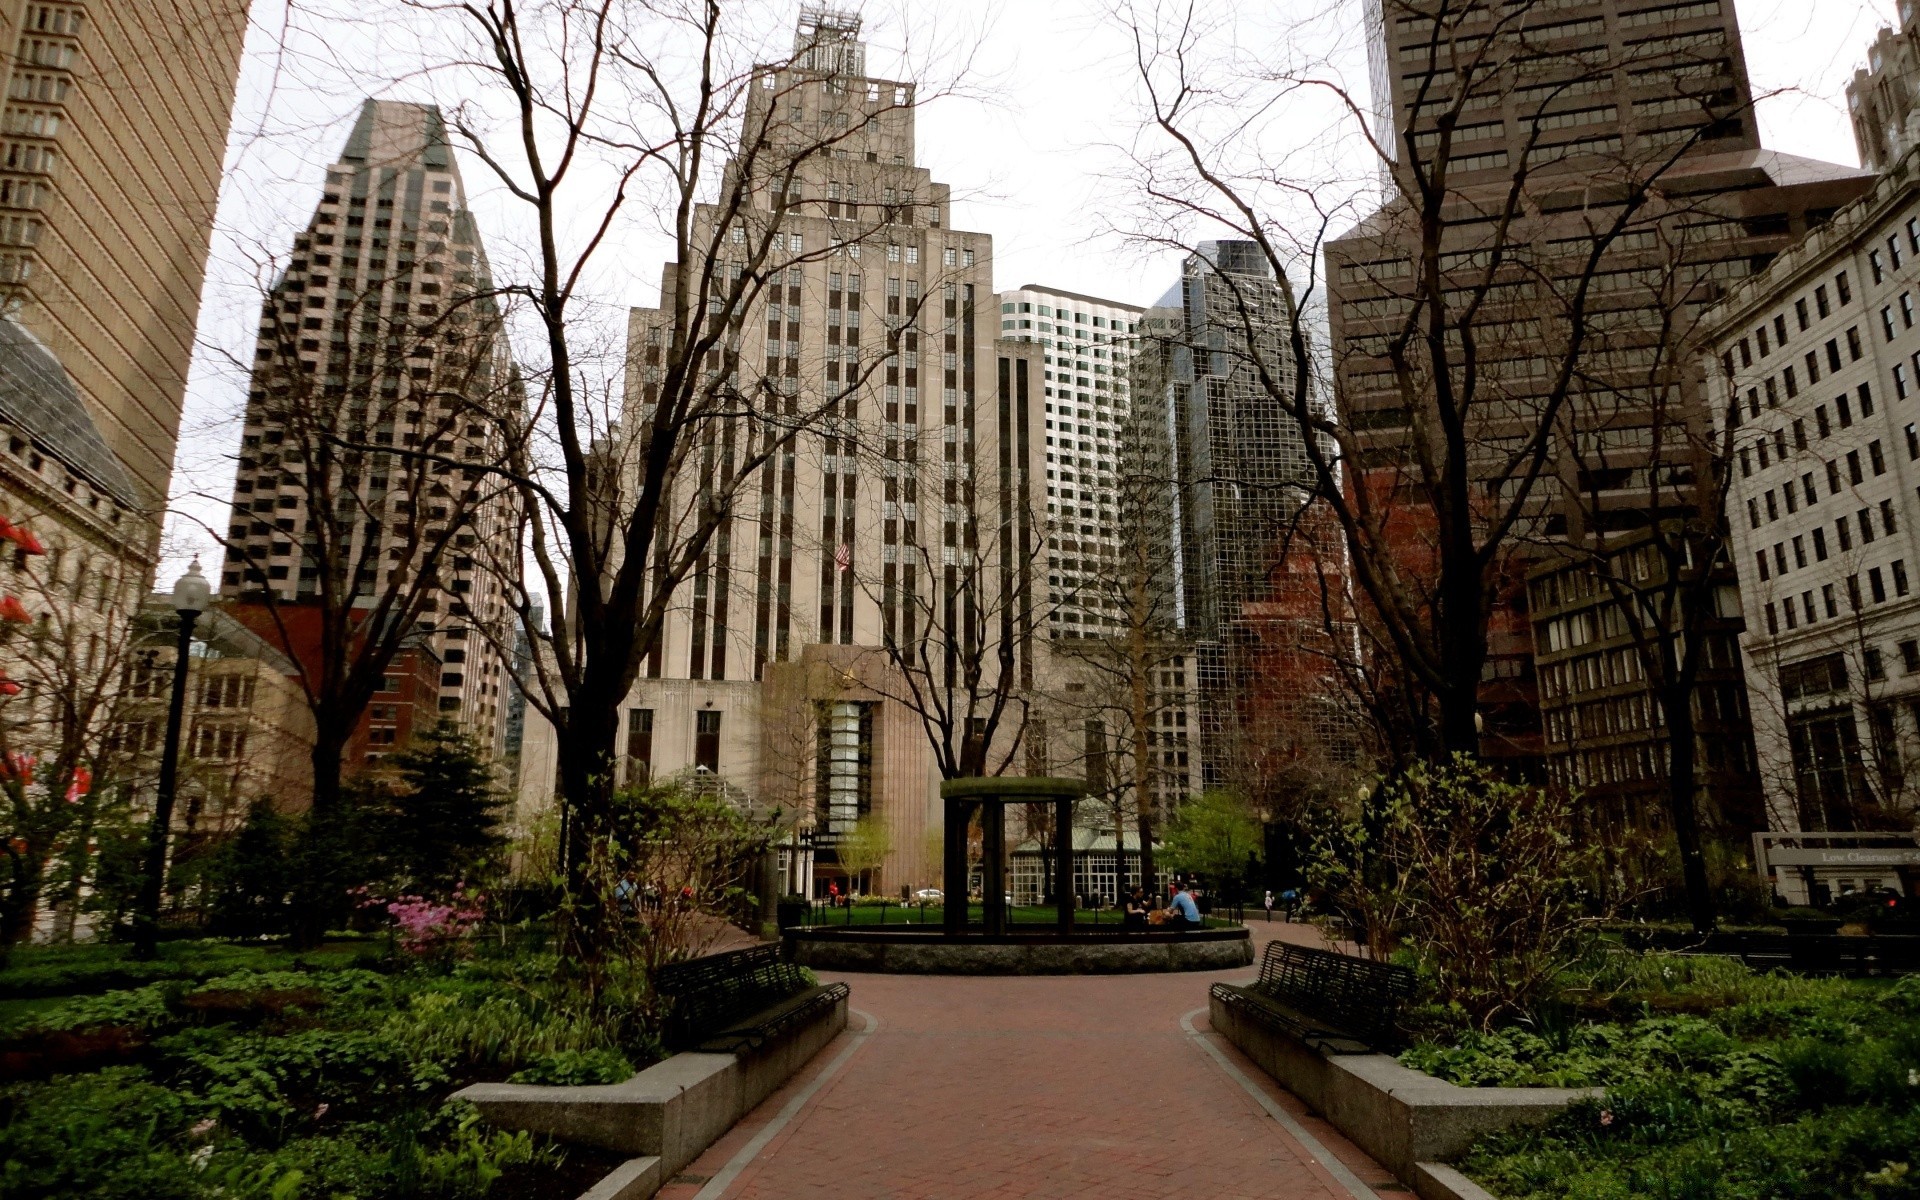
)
(362, 492)
(613, 111)
(1465, 328)
(60, 701)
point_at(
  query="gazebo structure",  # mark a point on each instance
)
(991, 795)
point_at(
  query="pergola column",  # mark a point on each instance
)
(1063, 861)
(991, 795)
(959, 815)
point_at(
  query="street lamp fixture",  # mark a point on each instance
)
(191, 594)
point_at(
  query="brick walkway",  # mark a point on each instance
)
(1029, 1087)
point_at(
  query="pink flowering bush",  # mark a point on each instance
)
(423, 926)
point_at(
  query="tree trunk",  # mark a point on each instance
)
(1462, 626)
(1682, 808)
(318, 858)
(586, 746)
(29, 877)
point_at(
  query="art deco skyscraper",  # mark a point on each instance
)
(381, 333)
(905, 511)
(1884, 98)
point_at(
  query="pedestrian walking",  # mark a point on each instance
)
(1269, 906)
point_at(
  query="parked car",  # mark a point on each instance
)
(929, 896)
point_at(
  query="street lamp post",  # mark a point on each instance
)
(190, 595)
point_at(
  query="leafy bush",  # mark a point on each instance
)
(1479, 878)
(286, 1084)
(1720, 1082)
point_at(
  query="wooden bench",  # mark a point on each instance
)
(725, 1003)
(1335, 1002)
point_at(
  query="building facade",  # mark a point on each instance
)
(1086, 346)
(1818, 362)
(850, 610)
(1604, 727)
(1585, 96)
(1884, 95)
(116, 120)
(246, 732)
(380, 332)
(1225, 474)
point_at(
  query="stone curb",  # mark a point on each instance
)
(1438, 1181)
(666, 1115)
(1409, 1122)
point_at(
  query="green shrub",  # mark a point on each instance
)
(109, 1134)
(573, 1068)
(1720, 1082)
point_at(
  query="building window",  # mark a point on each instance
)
(640, 746)
(845, 763)
(706, 740)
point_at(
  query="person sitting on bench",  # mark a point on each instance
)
(1183, 914)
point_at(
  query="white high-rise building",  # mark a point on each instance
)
(1816, 360)
(1087, 345)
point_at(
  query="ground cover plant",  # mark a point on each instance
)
(312, 1081)
(1721, 1083)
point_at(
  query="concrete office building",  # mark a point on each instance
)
(1600, 89)
(1818, 360)
(380, 331)
(1884, 95)
(116, 123)
(916, 497)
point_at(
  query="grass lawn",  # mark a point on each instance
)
(1722, 1084)
(247, 1071)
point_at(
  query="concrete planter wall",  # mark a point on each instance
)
(667, 1114)
(1410, 1122)
(903, 952)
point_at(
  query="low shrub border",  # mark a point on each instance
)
(1719, 1081)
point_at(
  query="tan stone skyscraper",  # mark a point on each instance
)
(115, 121)
(890, 546)
(382, 332)
(114, 124)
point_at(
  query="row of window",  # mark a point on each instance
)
(1806, 610)
(1818, 535)
(1791, 496)
(1823, 304)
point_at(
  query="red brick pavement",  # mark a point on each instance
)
(1029, 1087)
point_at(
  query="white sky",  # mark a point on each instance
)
(1029, 151)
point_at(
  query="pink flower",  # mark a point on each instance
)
(203, 1128)
(1606, 1117)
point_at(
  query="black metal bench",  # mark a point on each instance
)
(1335, 1002)
(737, 1000)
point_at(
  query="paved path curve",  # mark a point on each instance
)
(1033, 1087)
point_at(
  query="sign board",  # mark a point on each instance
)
(1855, 856)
